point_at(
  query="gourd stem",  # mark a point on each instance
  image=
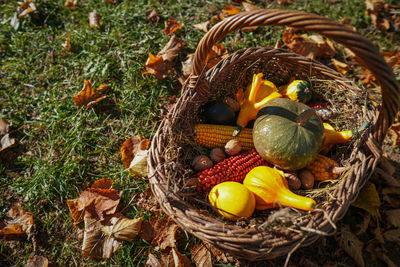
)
(305, 116)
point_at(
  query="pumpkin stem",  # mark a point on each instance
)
(255, 86)
(305, 116)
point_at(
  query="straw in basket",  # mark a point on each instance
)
(173, 146)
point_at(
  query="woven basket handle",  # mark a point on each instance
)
(367, 52)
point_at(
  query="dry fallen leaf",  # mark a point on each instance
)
(393, 217)
(201, 255)
(351, 245)
(153, 16)
(95, 244)
(171, 257)
(250, 7)
(98, 202)
(123, 228)
(341, 67)
(25, 8)
(37, 261)
(375, 9)
(89, 96)
(368, 199)
(166, 237)
(5, 139)
(160, 64)
(67, 44)
(165, 108)
(218, 52)
(171, 26)
(17, 222)
(395, 131)
(71, 4)
(94, 19)
(202, 26)
(311, 46)
(392, 235)
(131, 147)
(230, 10)
(284, 2)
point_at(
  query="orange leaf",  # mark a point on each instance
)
(103, 183)
(131, 146)
(230, 10)
(155, 65)
(340, 66)
(71, 4)
(17, 222)
(25, 8)
(67, 44)
(88, 96)
(77, 215)
(217, 53)
(171, 26)
(160, 65)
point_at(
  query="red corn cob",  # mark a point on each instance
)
(233, 168)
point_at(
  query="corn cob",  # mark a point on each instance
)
(324, 168)
(233, 168)
(211, 136)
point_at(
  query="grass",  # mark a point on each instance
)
(62, 148)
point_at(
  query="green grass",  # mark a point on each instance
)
(63, 148)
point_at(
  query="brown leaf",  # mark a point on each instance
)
(201, 255)
(94, 19)
(154, 261)
(17, 222)
(25, 8)
(284, 2)
(351, 245)
(89, 96)
(392, 235)
(341, 67)
(171, 26)
(147, 202)
(395, 131)
(4, 127)
(122, 228)
(187, 65)
(37, 261)
(153, 16)
(168, 106)
(103, 183)
(131, 147)
(67, 44)
(6, 142)
(393, 217)
(250, 7)
(368, 199)
(95, 244)
(311, 46)
(166, 238)
(218, 52)
(96, 201)
(180, 259)
(161, 64)
(202, 26)
(71, 4)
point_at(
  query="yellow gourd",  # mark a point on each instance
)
(333, 137)
(259, 93)
(271, 190)
(232, 200)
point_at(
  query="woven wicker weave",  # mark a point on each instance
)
(173, 147)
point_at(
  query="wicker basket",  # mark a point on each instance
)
(173, 148)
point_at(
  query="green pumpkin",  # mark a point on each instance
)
(288, 134)
(298, 91)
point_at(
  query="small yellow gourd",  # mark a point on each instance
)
(232, 200)
(333, 137)
(271, 190)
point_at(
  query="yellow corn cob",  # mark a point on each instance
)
(211, 135)
(324, 168)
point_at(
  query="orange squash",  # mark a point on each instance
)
(271, 190)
